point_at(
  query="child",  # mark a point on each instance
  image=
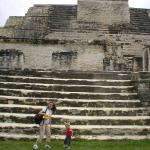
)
(68, 135)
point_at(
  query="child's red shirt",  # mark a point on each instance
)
(69, 132)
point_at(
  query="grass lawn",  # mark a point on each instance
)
(80, 145)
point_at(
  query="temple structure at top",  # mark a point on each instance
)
(94, 35)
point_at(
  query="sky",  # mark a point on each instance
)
(20, 7)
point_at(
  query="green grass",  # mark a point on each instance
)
(80, 145)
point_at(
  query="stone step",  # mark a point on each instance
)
(69, 102)
(8, 136)
(139, 16)
(70, 74)
(141, 25)
(54, 21)
(78, 130)
(82, 111)
(140, 22)
(98, 104)
(78, 120)
(70, 95)
(59, 25)
(68, 88)
(29, 79)
(17, 136)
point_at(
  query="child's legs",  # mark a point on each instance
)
(48, 133)
(42, 132)
(67, 141)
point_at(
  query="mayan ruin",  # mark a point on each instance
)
(92, 59)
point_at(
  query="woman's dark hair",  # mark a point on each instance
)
(53, 108)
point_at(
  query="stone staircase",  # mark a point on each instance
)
(140, 19)
(99, 105)
(61, 18)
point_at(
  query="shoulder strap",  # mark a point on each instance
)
(46, 110)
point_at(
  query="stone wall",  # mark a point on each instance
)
(40, 56)
(109, 53)
(144, 88)
(104, 11)
(90, 36)
(7, 32)
(140, 18)
(34, 25)
(43, 19)
(62, 18)
(88, 17)
(146, 58)
(14, 21)
(11, 59)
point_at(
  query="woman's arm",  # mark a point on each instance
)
(41, 113)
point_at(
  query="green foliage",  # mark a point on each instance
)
(80, 145)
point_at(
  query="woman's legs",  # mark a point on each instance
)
(45, 129)
(41, 136)
(48, 133)
(42, 132)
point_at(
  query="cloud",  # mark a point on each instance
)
(139, 3)
(20, 7)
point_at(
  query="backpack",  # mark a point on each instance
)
(39, 118)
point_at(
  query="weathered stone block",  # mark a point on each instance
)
(144, 88)
(14, 21)
(104, 11)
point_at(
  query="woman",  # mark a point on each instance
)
(45, 125)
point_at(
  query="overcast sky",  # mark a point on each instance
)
(20, 7)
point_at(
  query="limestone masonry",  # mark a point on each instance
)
(92, 59)
(98, 35)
